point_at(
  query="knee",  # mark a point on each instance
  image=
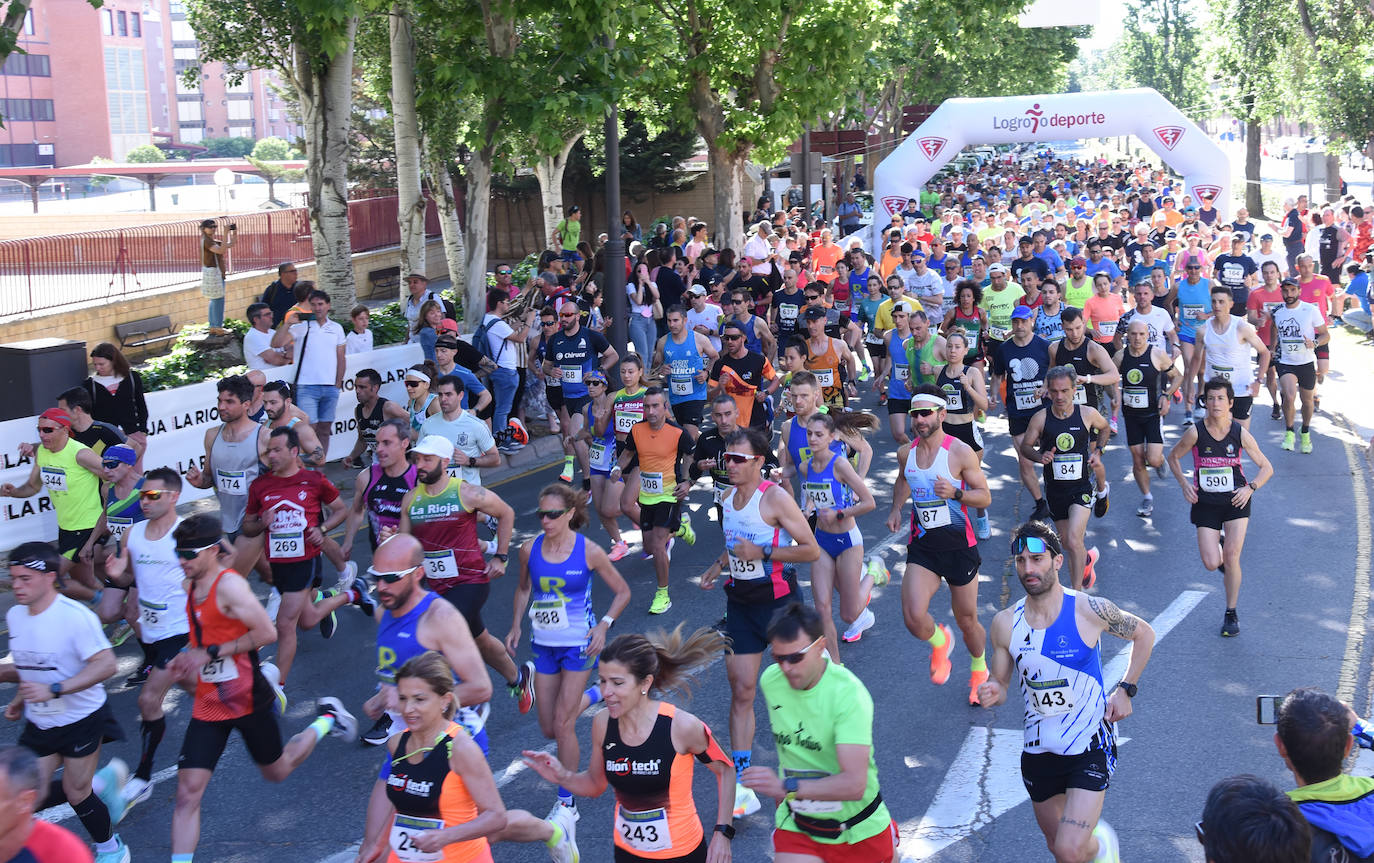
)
(742, 696)
(1072, 848)
(189, 795)
(966, 620)
(147, 703)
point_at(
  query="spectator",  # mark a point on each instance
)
(212, 270)
(1247, 820)
(1358, 287)
(643, 295)
(1314, 736)
(418, 285)
(319, 365)
(360, 340)
(505, 279)
(117, 394)
(301, 310)
(22, 836)
(258, 352)
(849, 215)
(503, 343)
(280, 295)
(426, 327)
(567, 234)
(630, 232)
(670, 284)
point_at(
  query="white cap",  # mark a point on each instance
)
(435, 445)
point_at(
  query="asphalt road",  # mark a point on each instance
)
(949, 771)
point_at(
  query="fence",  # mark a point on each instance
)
(46, 272)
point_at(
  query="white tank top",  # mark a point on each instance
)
(936, 521)
(159, 578)
(747, 522)
(1061, 684)
(1227, 356)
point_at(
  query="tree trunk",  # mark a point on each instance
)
(549, 170)
(1254, 200)
(1333, 177)
(410, 204)
(441, 189)
(325, 104)
(727, 205)
(479, 215)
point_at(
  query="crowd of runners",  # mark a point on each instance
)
(1056, 310)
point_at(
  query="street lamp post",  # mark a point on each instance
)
(613, 255)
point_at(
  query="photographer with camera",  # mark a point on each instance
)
(212, 270)
(1314, 735)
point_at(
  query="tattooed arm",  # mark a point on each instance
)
(1102, 615)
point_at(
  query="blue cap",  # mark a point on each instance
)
(1021, 313)
(594, 375)
(119, 452)
(917, 253)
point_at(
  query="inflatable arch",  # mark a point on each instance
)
(959, 123)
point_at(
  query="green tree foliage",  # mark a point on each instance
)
(1337, 80)
(145, 153)
(227, 148)
(272, 150)
(1160, 48)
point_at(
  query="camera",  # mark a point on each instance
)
(1267, 709)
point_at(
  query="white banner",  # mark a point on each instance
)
(177, 421)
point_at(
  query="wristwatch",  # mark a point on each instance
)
(212, 651)
(958, 494)
(1128, 688)
(791, 784)
(56, 690)
(768, 554)
(501, 557)
(726, 830)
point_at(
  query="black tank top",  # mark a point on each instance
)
(417, 789)
(368, 425)
(1070, 438)
(1216, 465)
(383, 498)
(1078, 358)
(955, 394)
(1139, 383)
(641, 775)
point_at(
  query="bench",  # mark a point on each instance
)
(145, 332)
(384, 282)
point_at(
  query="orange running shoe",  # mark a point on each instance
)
(940, 665)
(1089, 573)
(975, 680)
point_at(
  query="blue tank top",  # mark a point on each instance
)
(822, 489)
(123, 513)
(799, 450)
(602, 449)
(901, 370)
(561, 596)
(685, 361)
(397, 639)
(417, 417)
(1192, 299)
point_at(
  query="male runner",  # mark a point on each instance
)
(830, 360)
(662, 450)
(569, 353)
(764, 531)
(1061, 438)
(474, 446)
(745, 375)
(1095, 373)
(683, 358)
(370, 412)
(999, 301)
(1298, 331)
(1024, 358)
(708, 454)
(1051, 639)
(1145, 401)
(1157, 319)
(62, 660)
(283, 413)
(1223, 351)
(379, 488)
(231, 692)
(943, 477)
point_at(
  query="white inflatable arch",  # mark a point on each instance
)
(959, 123)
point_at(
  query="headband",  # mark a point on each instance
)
(928, 399)
(415, 373)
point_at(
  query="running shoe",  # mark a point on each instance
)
(510, 447)
(1199, 414)
(567, 474)
(864, 374)
(491, 523)
(136, 791)
(273, 677)
(685, 531)
(473, 717)
(588, 493)
(877, 570)
(119, 855)
(563, 849)
(139, 677)
(1089, 570)
(1101, 503)
(111, 779)
(518, 432)
(348, 577)
(1338, 320)
(661, 601)
(975, 680)
(1230, 625)
(329, 624)
(940, 666)
(1305, 442)
(345, 724)
(861, 624)
(882, 399)
(1288, 440)
(363, 598)
(671, 542)
(746, 801)
(619, 550)
(569, 806)
(380, 732)
(645, 554)
(1041, 511)
(1187, 421)
(490, 547)
(273, 604)
(1146, 508)
(1275, 413)
(523, 688)
(1108, 847)
(982, 527)
(1112, 424)
(120, 633)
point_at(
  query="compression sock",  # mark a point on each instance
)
(565, 796)
(742, 758)
(1305, 428)
(94, 817)
(322, 726)
(593, 694)
(978, 663)
(151, 731)
(938, 639)
(182, 858)
(586, 484)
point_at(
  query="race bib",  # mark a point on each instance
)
(1050, 697)
(1291, 350)
(787, 312)
(873, 339)
(1027, 400)
(601, 455)
(932, 513)
(824, 377)
(811, 807)
(1067, 466)
(220, 670)
(682, 386)
(722, 492)
(1221, 480)
(118, 527)
(51, 707)
(1223, 372)
(1080, 394)
(644, 831)
(54, 479)
(1136, 397)
(625, 420)
(231, 481)
(650, 483)
(1191, 312)
(404, 829)
(282, 546)
(745, 569)
(1106, 329)
(547, 615)
(997, 333)
(151, 613)
(954, 401)
(819, 495)
(903, 374)
(570, 374)
(842, 306)
(441, 564)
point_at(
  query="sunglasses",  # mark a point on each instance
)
(150, 493)
(503, 272)
(738, 457)
(923, 412)
(191, 553)
(550, 513)
(1032, 544)
(548, 323)
(731, 338)
(47, 429)
(1201, 833)
(794, 658)
(110, 464)
(391, 577)
(410, 384)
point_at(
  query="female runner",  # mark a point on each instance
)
(965, 396)
(599, 434)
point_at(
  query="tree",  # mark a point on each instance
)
(410, 203)
(145, 153)
(1159, 48)
(273, 173)
(272, 150)
(228, 148)
(309, 43)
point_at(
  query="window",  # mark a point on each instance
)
(107, 22)
(192, 135)
(188, 111)
(35, 65)
(123, 23)
(27, 109)
(136, 24)
(16, 155)
(126, 91)
(28, 23)
(182, 32)
(240, 109)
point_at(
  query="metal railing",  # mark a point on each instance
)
(40, 273)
